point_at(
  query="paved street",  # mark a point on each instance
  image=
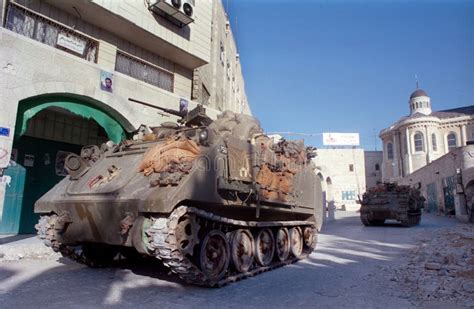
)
(351, 268)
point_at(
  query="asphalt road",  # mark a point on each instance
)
(349, 269)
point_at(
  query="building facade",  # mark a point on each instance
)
(373, 161)
(424, 136)
(342, 173)
(67, 71)
(447, 183)
(220, 83)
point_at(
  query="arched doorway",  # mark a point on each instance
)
(47, 129)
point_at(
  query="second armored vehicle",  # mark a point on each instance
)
(215, 201)
(390, 201)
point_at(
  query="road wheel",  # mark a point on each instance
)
(242, 250)
(264, 247)
(296, 241)
(214, 255)
(282, 244)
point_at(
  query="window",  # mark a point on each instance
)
(47, 31)
(377, 167)
(348, 195)
(390, 151)
(144, 71)
(222, 54)
(434, 143)
(418, 138)
(452, 143)
(351, 167)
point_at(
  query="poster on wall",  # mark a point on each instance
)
(59, 163)
(29, 160)
(106, 79)
(5, 144)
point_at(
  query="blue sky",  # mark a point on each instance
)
(350, 66)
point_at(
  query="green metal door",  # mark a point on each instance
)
(432, 197)
(38, 156)
(11, 212)
(449, 187)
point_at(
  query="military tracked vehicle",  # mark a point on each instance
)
(215, 201)
(391, 201)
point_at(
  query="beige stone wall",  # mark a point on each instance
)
(334, 164)
(136, 11)
(373, 160)
(222, 77)
(110, 43)
(459, 160)
(29, 68)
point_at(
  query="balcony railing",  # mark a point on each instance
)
(23, 21)
(142, 70)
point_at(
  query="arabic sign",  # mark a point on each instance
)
(72, 43)
(341, 139)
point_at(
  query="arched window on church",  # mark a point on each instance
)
(434, 142)
(390, 151)
(377, 167)
(418, 138)
(452, 141)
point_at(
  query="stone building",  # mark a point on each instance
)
(423, 136)
(68, 69)
(447, 183)
(342, 172)
(373, 161)
(220, 83)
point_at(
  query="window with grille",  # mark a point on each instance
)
(452, 141)
(418, 139)
(144, 71)
(25, 22)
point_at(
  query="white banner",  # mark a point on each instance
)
(341, 139)
(72, 43)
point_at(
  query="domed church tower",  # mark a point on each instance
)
(420, 102)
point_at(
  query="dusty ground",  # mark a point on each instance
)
(353, 267)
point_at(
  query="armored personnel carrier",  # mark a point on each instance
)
(390, 201)
(215, 201)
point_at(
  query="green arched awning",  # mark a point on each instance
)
(114, 130)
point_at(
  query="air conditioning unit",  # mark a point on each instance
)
(180, 12)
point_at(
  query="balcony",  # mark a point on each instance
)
(23, 21)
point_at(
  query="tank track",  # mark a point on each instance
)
(163, 242)
(48, 228)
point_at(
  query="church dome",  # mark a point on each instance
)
(418, 93)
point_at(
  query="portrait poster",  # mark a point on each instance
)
(106, 81)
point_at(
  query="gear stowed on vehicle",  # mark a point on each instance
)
(215, 201)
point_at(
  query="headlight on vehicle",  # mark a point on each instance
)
(203, 135)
